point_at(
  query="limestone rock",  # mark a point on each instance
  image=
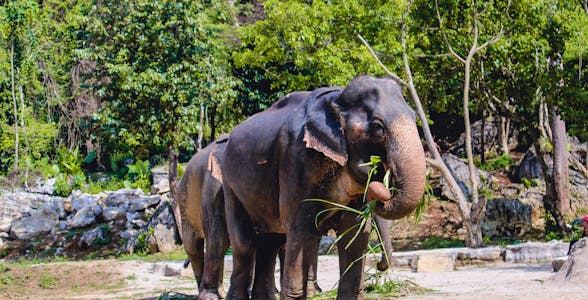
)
(85, 216)
(90, 237)
(507, 217)
(144, 203)
(325, 244)
(165, 232)
(111, 213)
(574, 269)
(41, 222)
(433, 263)
(461, 173)
(558, 263)
(532, 252)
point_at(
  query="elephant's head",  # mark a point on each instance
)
(370, 117)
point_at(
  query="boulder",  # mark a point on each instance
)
(486, 254)
(80, 200)
(433, 263)
(160, 180)
(86, 216)
(122, 198)
(461, 173)
(533, 252)
(5, 224)
(90, 237)
(46, 187)
(491, 142)
(111, 213)
(144, 203)
(41, 222)
(507, 217)
(325, 244)
(574, 270)
(165, 232)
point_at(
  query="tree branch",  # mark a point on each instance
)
(442, 28)
(394, 76)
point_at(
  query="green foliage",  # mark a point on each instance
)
(530, 182)
(551, 229)
(71, 175)
(48, 282)
(437, 242)
(141, 246)
(494, 163)
(140, 175)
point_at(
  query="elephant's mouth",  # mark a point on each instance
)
(361, 163)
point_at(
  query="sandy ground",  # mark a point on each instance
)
(146, 280)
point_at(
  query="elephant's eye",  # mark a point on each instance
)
(376, 128)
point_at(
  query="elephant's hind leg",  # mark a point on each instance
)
(243, 241)
(194, 247)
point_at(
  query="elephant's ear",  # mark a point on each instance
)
(323, 130)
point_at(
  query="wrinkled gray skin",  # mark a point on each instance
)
(201, 202)
(309, 145)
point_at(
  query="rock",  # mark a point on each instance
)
(461, 173)
(485, 254)
(111, 213)
(558, 263)
(533, 252)
(43, 187)
(15, 204)
(41, 222)
(85, 216)
(144, 202)
(165, 232)
(90, 237)
(169, 270)
(574, 269)
(122, 198)
(433, 263)
(5, 224)
(160, 180)
(325, 244)
(491, 141)
(507, 217)
(529, 167)
(80, 200)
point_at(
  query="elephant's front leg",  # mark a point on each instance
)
(352, 257)
(301, 248)
(264, 285)
(243, 241)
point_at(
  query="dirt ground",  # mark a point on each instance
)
(114, 279)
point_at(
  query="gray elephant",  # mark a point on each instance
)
(311, 145)
(201, 200)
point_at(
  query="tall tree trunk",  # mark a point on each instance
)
(212, 116)
(550, 197)
(561, 172)
(173, 186)
(15, 106)
(24, 131)
(503, 133)
(483, 138)
(201, 131)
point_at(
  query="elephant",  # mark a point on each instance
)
(201, 201)
(313, 145)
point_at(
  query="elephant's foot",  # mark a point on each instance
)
(209, 295)
(313, 288)
(382, 265)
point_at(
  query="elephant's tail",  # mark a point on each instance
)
(186, 263)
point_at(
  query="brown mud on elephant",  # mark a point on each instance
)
(311, 145)
(201, 201)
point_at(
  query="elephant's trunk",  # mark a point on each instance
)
(406, 159)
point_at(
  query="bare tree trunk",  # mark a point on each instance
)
(201, 131)
(503, 133)
(16, 141)
(173, 186)
(561, 173)
(550, 197)
(212, 116)
(24, 131)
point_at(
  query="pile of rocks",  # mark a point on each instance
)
(124, 221)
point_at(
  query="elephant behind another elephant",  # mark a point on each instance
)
(200, 197)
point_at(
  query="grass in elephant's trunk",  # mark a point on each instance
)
(378, 283)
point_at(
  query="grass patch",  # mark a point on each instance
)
(381, 286)
(175, 255)
(48, 282)
(437, 242)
